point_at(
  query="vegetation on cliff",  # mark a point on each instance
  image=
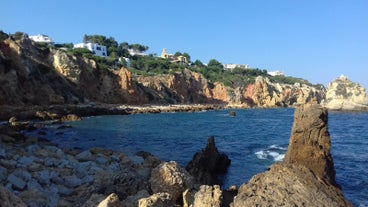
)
(141, 79)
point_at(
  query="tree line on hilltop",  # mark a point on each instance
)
(150, 65)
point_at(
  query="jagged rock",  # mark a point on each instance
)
(306, 177)
(169, 177)
(188, 197)
(110, 201)
(208, 196)
(157, 200)
(343, 94)
(8, 199)
(132, 201)
(310, 143)
(208, 163)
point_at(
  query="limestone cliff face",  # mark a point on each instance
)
(31, 75)
(343, 94)
(306, 177)
(184, 87)
(25, 77)
(266, 94)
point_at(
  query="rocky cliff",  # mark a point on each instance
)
(32, 75)
(306, 177)
(343, 94)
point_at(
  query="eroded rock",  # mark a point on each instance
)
(208, 163)
(310, 143)
(169, 177)
(306, 177)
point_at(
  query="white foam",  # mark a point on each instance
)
(279, 158)
(261, 155)
(275, 146)
(273, 152)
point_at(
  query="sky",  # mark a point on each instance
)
(317, 40)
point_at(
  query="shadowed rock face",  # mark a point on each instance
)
(309, 143)
(306, 177)
(208, 163)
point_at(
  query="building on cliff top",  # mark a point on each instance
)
(174, 59)
(232, 66)
(41, 38)
(95, 48)
(275, 73)
(134, 52)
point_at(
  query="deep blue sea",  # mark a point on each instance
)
(253, 140)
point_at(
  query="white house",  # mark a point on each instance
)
(133, 52)
(41, 38)
(232, 66)
(275, 73)
(95, 48)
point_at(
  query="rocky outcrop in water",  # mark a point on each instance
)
(343, 94)
(306, 177)
(207, 164)
(310, 143)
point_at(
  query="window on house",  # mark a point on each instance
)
(103, 54)
(98, 48)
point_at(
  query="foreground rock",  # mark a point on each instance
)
(343, 94)
(41, 174)
(310, 144)
(207, 164)
(306, 177)
(170, 178)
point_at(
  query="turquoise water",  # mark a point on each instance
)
(253, 140)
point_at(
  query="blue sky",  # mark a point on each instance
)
(313, 39)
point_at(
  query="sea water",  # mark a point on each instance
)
(253, 140)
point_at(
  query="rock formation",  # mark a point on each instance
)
(31, 75)
(306, 177)
(263, 93)
(343, 94)
(208, 163)
(157, 200)
(309, 143)
(170, 178)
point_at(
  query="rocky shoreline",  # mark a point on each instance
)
(56, 112)
(35, 172)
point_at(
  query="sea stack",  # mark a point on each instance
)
(345, 95)
(306, 177)
(309, 143)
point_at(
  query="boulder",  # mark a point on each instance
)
(306, 177)
(208, 163)
(170, 178)
(157, 200)
(132, 201)
(110, 201)
(208, 196)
